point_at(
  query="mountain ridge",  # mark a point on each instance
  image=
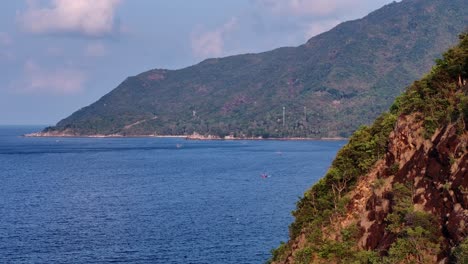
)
(329, 86)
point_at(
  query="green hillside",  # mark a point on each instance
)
(398, 191)
(328, 87)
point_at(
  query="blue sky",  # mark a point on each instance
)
(57, 56)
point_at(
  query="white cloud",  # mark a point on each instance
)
(6, 42)
(211, 43)
(318, 27)
(5, 39)
(95, 49)
(39, 80)
(55, 51)
(6, 56)
(88, 17)
(299, 20)
(310, 7)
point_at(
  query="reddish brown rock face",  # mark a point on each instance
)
(437, 169)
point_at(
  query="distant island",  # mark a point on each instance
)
(328, 87)
(194, 136)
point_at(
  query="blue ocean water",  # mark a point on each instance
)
(150, 200)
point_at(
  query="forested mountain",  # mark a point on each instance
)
(327, 87)
(398, 191)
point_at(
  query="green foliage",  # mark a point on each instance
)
(279, 253)
(378, 183)
(415, 246)
(402, 205)
(439, 97)
(430, 125)
(394, 168)
(350, 234)
(344, 250)
(303, 256)
(366, 257)
(327, 197)
(334, 250)
(417, 232)
(461, 252)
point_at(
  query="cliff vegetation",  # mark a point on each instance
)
(398, 191)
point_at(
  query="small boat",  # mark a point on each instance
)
(264, 175)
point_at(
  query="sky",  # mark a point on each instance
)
(57, 56)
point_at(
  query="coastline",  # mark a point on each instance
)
(187, 137)
(65, 135)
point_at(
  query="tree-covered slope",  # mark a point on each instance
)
(329, 86)
(398, 191)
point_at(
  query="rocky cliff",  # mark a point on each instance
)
(398, 192)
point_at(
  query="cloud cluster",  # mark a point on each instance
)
(92, 18)
(210, 43)
(303, 19)
(5, 39)
(39, 80)
(95, 49)
(315, 28)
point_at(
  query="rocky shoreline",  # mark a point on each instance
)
(187, 137)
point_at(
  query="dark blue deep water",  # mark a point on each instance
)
(150, 200)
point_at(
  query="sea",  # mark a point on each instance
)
(150, 200)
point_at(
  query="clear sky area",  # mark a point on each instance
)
(57, 56)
